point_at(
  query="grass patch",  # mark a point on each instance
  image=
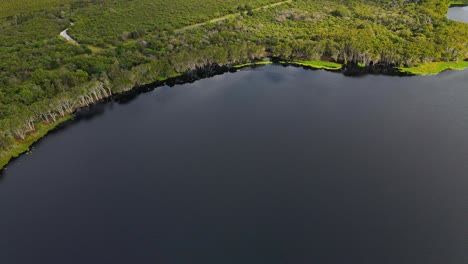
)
(434, 67)
(22, 146)
(95, 49)
(312, 64)
(327, 65)
(252, 64)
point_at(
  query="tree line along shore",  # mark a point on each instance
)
(122, 45)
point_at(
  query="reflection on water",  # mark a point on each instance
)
(92, 111)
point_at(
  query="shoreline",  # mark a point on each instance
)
(423, 69)
(42, 129)
(24, 146)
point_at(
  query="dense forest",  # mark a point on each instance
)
(122, 44)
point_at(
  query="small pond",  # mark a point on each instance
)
(458, 13)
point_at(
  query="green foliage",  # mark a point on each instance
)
(435, 67)
(459, 2)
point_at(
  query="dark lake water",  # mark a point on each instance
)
(458, 14)
(267, 165)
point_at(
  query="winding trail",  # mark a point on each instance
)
(65, 35)
(220, 19)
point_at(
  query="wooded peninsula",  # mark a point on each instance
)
(117, 45)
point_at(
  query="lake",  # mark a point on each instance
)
(458, 14)
(267, 165)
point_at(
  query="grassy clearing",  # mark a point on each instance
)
(326, 65)
(24, 145)
(435, 67)
(94, 49)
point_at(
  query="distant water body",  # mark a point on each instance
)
(458, 14)
(267, 165)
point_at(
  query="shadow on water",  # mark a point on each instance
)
(61, 127)
(86, 114)
(189, 77)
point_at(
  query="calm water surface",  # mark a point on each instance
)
(266, 165)
(458, 14)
